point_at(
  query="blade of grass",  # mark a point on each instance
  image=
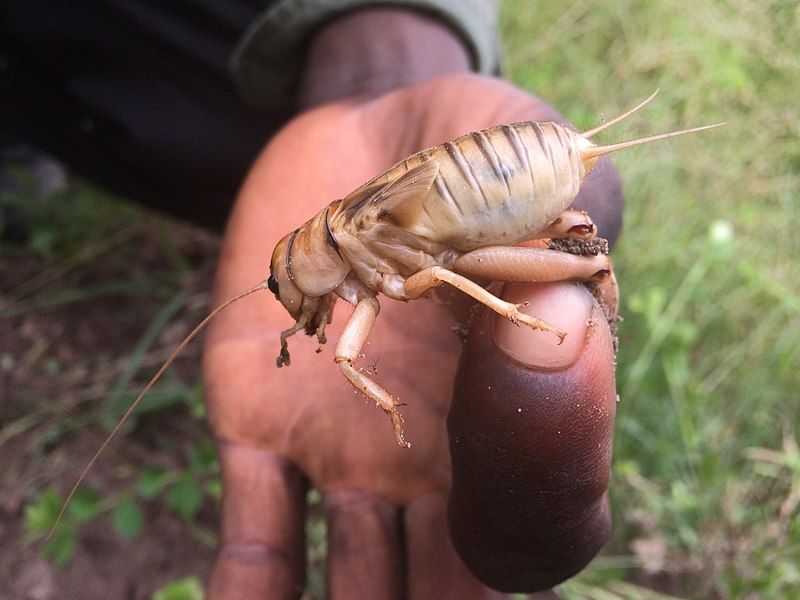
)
(48, 275)
(159, 285)
(659, 332)
(18, 427)
(115, 404)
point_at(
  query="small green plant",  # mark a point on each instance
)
(65, 220)
(40, 517)
(316, 545)
(77, 227)
(188, 588)
(183, 491)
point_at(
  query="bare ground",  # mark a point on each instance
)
(57, 365)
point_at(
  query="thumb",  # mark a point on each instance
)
(530, 430)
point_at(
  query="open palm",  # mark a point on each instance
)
(280, 430)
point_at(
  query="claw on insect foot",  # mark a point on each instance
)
(283, 357)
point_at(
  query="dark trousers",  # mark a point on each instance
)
(136, 95)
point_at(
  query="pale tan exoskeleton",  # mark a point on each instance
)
(448, 214)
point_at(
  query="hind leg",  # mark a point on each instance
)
(531, 265)
(502, 263)
(424, 280)
(538, 265)
(347, 350)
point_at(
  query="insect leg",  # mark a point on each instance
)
(536, 265)
(570, 224)
(607, 294)
(283, 357)
(325, 317)
(352, 339)
(424, 280)
(531, 265)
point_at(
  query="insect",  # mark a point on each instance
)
(447, 214)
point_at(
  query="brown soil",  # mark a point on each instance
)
(56, 367)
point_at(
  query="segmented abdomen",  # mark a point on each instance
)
(499, 185)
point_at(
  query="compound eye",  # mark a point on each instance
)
(272, 284)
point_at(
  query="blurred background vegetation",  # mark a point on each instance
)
(706, 467)
(706, 480)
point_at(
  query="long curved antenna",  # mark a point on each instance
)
(261, 286)
(591, 132)
(594, 151)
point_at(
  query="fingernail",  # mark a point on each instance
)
(567, 306)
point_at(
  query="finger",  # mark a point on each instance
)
(365, 551)
(601, 196)
(262, 552)
(530, 430)
(434, 568)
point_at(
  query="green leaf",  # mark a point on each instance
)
(204, 459)
(313, 497)
(42, 242)
(41, 515)
(61, 546)
(188, 588)
(197, 406)
(185, 497)
(52, 366)
(127, 518)
(214, 488)
(85, 504)
(151, 482)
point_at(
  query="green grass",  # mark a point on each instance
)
(706, 467)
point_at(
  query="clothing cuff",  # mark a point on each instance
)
(269, 59)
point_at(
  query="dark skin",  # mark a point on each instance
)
(281, 430)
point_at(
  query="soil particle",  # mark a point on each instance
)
(580, 247)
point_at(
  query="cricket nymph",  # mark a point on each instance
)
(447, 214)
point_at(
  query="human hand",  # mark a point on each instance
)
(528, 505)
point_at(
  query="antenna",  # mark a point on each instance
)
(261, 286)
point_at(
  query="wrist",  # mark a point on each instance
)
(412, 40)
(375, 50)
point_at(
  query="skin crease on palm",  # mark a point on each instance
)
(280, 430)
